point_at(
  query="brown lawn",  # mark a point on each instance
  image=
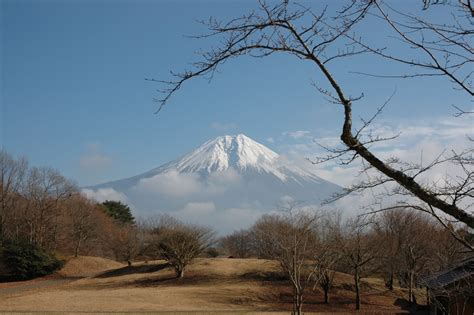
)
(210, 284)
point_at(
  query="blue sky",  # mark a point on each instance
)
(73, 94)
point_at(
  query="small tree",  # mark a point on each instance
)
(325, 274)
(119, 211)
(180, 243)
(290, 239)
(358, 247)
(125, 242)
(327, 255)
(238, 244)
(416, 250)
(83, 222)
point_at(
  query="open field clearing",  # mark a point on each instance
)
(209, 285)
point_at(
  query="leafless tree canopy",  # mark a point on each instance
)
(359, 248)
(239, 244)
(291, 240)
(432, 48)
(41, 207)
(180, 243)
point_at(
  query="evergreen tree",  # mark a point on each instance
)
(119, 211)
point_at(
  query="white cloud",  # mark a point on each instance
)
(222, 220)
(419, 142)
(204, 200)
(93, 159)
(327, 141)
(181, 185)
(171, 184)
(343, 176)
(103, 194)
(220, 182)
(298, 134)
(286, 201)
(197, 209)
(270, 140)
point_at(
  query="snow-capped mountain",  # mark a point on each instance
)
(228, 178)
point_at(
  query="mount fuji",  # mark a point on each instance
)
(227, 182)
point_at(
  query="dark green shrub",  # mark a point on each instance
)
(23, 260)
(119, 211)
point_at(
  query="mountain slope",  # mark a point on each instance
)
(230, 174)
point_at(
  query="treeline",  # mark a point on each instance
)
(401, 246)
(44, 216)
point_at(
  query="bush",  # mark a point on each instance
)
(212, 252)
(25, 261)
(179, 243)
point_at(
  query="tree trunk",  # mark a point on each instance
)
(180, 272)
(1, 227)
(410, 288)
(297, 301)
(326, 295)
(294, 301)
(76, 250)
(357, 288)
(428, 297)
(299, 305)
(389, 281)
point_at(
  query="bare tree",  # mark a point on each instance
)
(83, 222)
(447, 253)
(416, 249)
(390, 230)
(325, 271)
(327, 255)
(321, 40)
(180, 243)
(12, 173)
(125, 242)
(359, 248)
(291, 240)
(44, 191)
(238, 244)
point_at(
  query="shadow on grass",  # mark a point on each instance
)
(411, 307)
(265, 276)
(192, 278)
(155, 280)
(128, 270)
(189, 279)
(402, 303)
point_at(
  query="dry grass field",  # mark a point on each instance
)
(91, 284)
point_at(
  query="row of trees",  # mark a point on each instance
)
(398, 245)
(42, 212)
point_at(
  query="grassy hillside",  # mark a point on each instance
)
(209, 284)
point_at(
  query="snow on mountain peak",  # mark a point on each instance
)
(239, 152)
(220, 179)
